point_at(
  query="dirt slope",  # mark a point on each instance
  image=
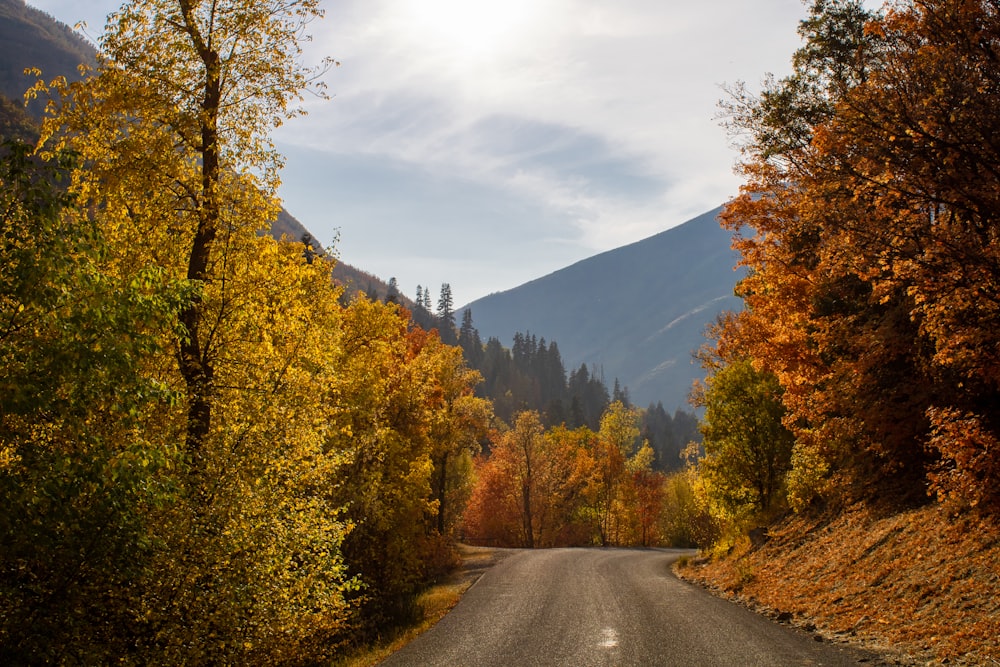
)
(918, 583)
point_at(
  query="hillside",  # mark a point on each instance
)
(918, 583)
(31, 38)
(637, 312)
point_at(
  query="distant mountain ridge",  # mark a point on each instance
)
(30, 37)
(637, 313)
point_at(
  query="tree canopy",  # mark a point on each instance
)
(868, 223)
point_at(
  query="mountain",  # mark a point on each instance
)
(31, 38)
(637, 313)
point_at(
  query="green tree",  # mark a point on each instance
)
(79, 477)
(446, 315)
(392, 291)
(469, 340)
(747, 449)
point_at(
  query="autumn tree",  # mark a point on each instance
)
(507, 506)
(243, 558)
(617, 454)
(872, 196)
(459, 422)
(917, 140)
(687, 517)
(525, 440)
(213, 79)
(532, 489)
(405, 423)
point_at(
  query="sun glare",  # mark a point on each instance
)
(470, 28)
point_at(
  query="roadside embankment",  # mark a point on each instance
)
(918, 582)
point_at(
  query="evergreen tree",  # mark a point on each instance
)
(469, 341)
(620, 394)
(446, 315)
(309, 250)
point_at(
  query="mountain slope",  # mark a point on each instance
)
(638, 312)
(31, 38)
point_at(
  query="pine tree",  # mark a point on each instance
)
(469, 340)
(392, 293)
(446, 315)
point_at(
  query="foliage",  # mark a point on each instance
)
(15, 124)
(192, 422)
(921, 580)
(563, 487)
(530, 490)
(687, 517)
(78, 475)
(871, 202)
(405, 422)
(127, 545)
(747, 449)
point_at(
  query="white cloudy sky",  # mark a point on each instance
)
(485, 143)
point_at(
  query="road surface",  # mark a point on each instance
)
(623, 607)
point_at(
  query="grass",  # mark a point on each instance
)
(433, 603)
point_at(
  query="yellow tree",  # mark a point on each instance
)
(176, 125)
(571, 469)
(616, 456)
(459, 422)
(525, 443)
(380, 428)
(179, 174)
(400, 401)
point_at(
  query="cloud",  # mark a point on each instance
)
(516, 135)
(630, 87)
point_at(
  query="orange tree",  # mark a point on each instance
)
(400, 401)
(872, 196)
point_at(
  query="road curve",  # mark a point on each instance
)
(607, 607)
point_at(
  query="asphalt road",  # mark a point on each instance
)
(607, 607)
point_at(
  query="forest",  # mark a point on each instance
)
(868, 222)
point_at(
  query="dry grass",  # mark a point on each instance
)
(434, 603)
(917, 584)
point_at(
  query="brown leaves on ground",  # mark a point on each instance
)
(916, 582)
